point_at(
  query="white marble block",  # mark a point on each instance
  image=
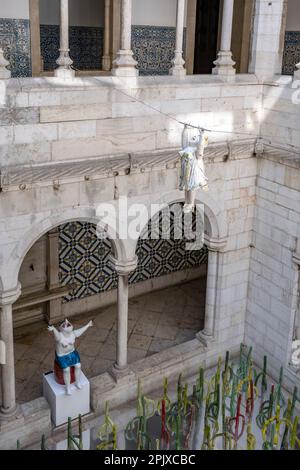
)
(64, 406)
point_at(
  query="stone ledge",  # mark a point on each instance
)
(282, 155)
(31, 421)
(12, 177)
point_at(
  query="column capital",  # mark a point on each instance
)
(216, 244)
(124, 267)
(9, 297)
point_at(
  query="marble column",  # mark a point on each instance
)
(224, 65)
(4, 72)
(214, 278)
(54, 307)
(123, 269)
(125, 65)
(64, 61)
(177, 68)
(122, 322)
(7, 299)
(211, 286)
(106, 60)
(35, 38)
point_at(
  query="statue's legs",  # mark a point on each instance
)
(77, 375)
(190, 197)
(67, 379)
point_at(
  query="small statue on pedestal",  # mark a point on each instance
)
(192, 174)
(67, 366)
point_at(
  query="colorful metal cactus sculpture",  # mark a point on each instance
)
(107, 432)
(221, 412)
(75, 440)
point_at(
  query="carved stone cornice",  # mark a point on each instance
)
(51, 174)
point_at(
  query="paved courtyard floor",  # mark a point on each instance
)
(157, 321)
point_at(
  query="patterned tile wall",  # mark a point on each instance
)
(15, 40)
(83, 259)
(153, 47)
(86, 46)
(291, 55)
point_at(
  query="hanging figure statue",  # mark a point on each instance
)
(192, 174)
(66, 356)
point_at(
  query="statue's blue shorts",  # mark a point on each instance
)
(68, 360)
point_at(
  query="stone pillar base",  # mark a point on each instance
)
(224, 66)
(177, 69)
(64, 73)
(6, 414)
(106, 63)
(178, 72)
(205, 339)
(125, 65)
(120, 374)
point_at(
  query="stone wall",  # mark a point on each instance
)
(60, 159)
(51, 124)
(280, 122)
(270, 316)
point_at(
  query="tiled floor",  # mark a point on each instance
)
(157, 321)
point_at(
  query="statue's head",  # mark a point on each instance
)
(66, 327)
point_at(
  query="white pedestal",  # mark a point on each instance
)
(64, 406)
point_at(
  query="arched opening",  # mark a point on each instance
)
(65, 273)
(173, 312)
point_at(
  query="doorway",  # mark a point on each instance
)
(206, 35)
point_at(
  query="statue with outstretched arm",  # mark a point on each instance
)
(66, 355)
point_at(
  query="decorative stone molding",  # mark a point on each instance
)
(110, 166)
(216, 244)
